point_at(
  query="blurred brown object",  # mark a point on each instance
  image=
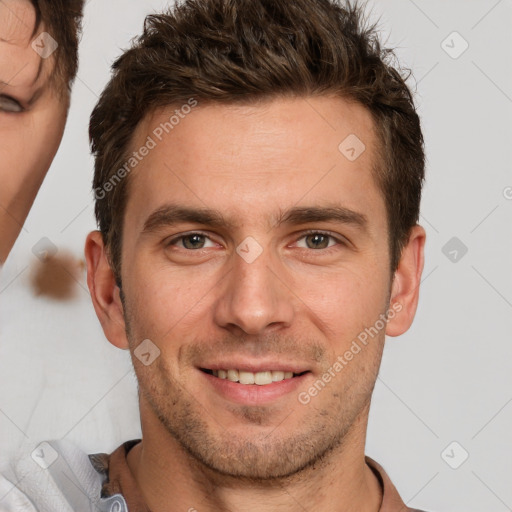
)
(57, 276)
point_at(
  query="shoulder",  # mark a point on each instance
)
(54, 475)
(391, 500)
(12, 499)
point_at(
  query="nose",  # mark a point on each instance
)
(253, 298)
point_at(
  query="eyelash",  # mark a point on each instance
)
(304, 234)
(12, 100)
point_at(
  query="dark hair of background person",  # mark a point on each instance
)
(62, 19)
(245, 51)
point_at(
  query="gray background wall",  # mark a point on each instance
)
(447, 380)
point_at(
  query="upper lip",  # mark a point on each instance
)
(255, 367)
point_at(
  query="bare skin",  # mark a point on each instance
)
(32, 118)
(300, 303)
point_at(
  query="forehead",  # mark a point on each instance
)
(17, 21)
(20, 64)
(248, 158)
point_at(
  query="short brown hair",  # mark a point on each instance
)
(239, 51)
(62, 20)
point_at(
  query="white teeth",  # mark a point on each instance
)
(262, 378)
(233, 375)
(246, 377)
(277, 376)
(259, 378)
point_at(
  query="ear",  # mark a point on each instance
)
(105, 293)
(406, 284)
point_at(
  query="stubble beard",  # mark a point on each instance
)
(277, 453)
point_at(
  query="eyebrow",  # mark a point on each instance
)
(172, 214)
(4, 84)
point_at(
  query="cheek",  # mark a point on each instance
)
(164, 302)
(31, 142)
(49, 126)
(343, 302)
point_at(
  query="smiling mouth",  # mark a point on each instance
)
(247, 378)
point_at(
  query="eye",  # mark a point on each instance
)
(319, 240)
(8, 104)
(191, 241)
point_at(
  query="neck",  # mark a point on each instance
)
(172, 480)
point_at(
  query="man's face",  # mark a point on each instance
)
(279, 284)
(32, 114)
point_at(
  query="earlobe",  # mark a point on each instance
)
(406, 284)
(104, 291)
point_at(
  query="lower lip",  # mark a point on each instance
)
(253, 394)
